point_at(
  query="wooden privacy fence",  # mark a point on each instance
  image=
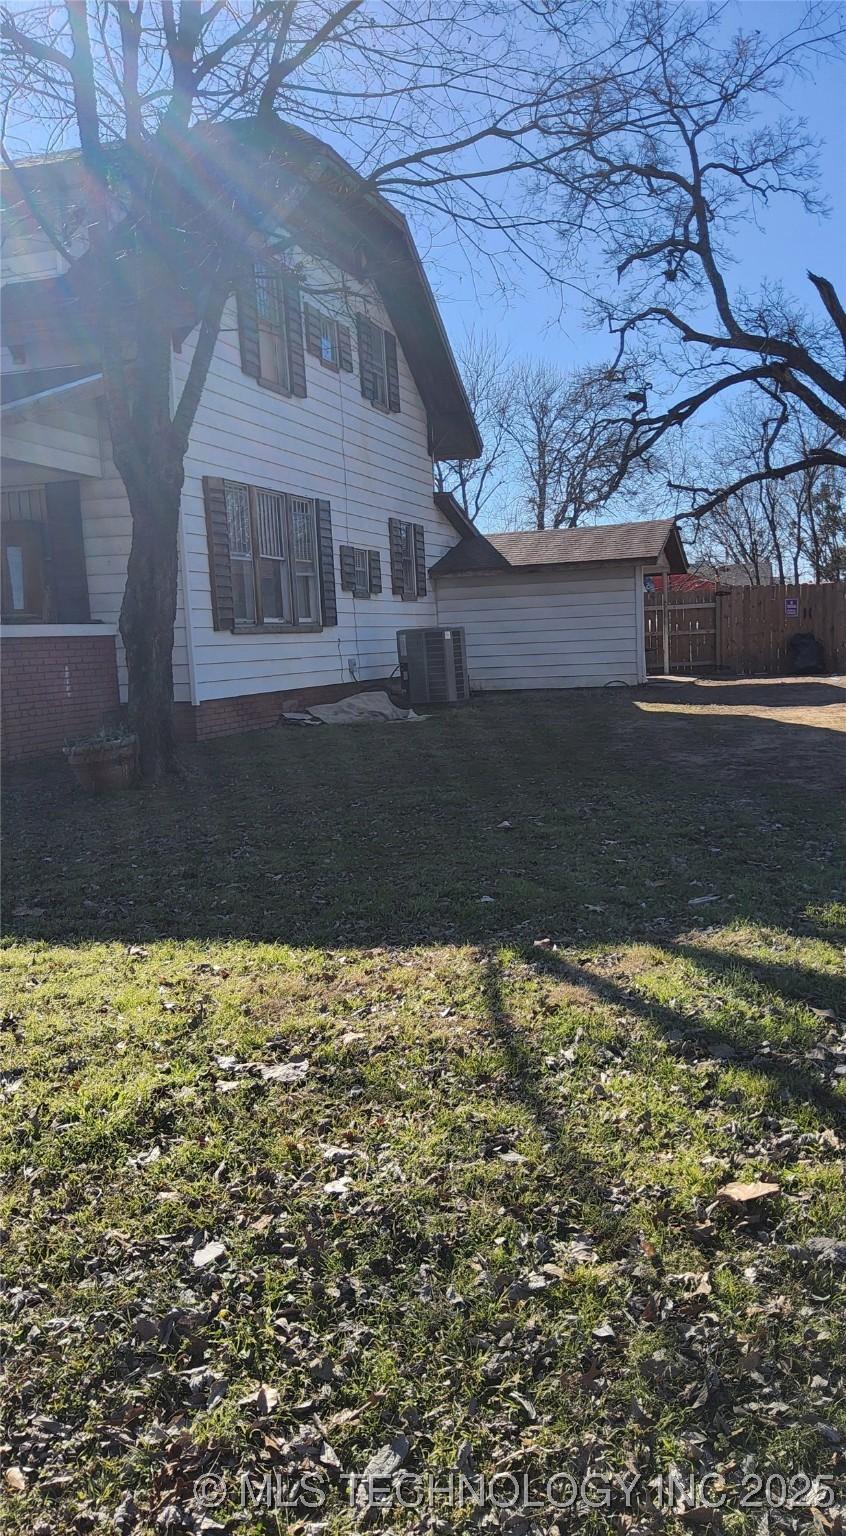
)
(742, 629)
(754, 625)
(680, 631)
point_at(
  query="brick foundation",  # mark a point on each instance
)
(256, 711)
(54, 687)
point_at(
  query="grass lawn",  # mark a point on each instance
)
(375, 1087)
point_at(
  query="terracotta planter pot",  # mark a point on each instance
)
(102, 767)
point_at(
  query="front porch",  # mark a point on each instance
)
(58, 632)
(58, 681)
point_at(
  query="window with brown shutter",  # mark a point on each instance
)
(408, 559)
(378, 365)
(361, 570)
(267, 558)
(327, 339)
(270, 328)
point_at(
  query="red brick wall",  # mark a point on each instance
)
(54, 687)
(255, 711)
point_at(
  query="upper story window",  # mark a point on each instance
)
(328, 339)
(273, 557)
(270, 328)
(378, 364)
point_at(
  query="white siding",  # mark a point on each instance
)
(334, 445)
(60, 436)
(550, 629)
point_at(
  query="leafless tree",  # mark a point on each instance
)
(658, 163)
(529, 409)
(824, 543)
(477, 483)
(435, 102)
(771, 521)
(567, 434)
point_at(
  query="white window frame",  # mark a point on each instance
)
(409, 557)
(380, 367)
(362, 588)
(329, 332)
(272, 329)
(295, 568)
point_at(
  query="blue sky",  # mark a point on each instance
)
(790, 242)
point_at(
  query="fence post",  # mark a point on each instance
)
(665, 615)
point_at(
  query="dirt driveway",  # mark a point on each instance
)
(803, 739)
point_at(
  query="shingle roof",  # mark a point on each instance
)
(638, 542)
(267, 174)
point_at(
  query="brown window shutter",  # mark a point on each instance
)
(294, 331)
(347, 559)
(365, 355)
(220, 570)
(420, 559)
(326, 563)
(345, 356)
(392, 371)
(395, 546)
(248, 335)
(68, 577)
(312, 329)
(374, 560)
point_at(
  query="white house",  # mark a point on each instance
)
(308, 522)
(309, 533)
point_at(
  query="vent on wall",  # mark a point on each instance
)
(433, 665)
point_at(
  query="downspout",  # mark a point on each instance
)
(640, 624)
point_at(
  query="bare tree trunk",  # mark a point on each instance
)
(149, 612)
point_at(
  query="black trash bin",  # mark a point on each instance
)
(805, 654)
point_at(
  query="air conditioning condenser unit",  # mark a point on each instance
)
(433, 665)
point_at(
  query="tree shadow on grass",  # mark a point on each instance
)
(579, 1181)
(793, 1078)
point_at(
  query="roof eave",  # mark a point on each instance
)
(674, 550)
(85, 389)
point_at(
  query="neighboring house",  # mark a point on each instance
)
(732, 575)
(308, 522)
(557, 609)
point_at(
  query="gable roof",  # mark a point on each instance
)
(260, 177)
(640, 543)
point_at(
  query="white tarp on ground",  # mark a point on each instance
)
(362, 709)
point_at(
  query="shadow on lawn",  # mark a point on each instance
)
(783, 1067)
(525, 1082)
(343, 837)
